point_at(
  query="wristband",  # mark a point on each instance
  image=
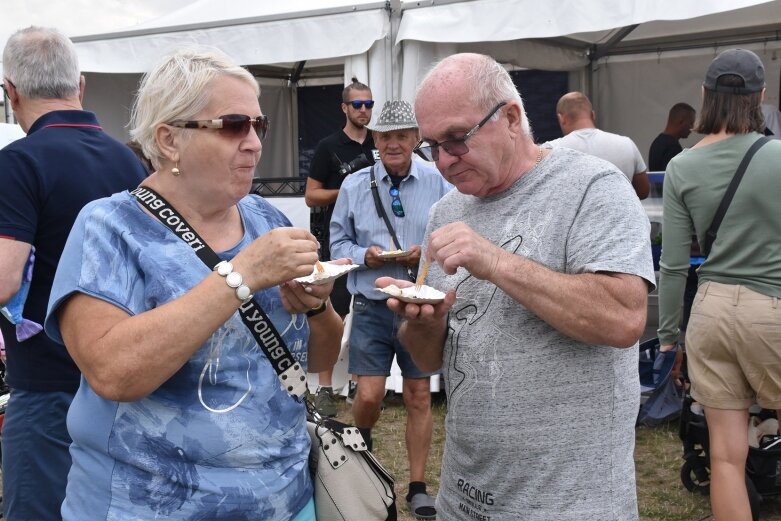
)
(234, 280)
(319, 309)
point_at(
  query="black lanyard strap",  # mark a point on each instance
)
(381, 211)
(289, 371)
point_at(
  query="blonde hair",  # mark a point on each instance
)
(178, 87)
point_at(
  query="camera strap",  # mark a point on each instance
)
(381, 213)
(290, 373)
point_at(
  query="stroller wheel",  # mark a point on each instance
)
(695, 475)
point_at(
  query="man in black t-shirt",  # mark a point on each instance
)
(337, 156)
(666, 146)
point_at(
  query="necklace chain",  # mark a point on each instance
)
(539, 156)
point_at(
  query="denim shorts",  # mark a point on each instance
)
(36, 460)
(373, 341)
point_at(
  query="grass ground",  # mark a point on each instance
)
(661, 496)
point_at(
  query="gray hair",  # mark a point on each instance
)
(178, 87)
(42, 63)
(487, 83)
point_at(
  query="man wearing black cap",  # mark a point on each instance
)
(732, 337)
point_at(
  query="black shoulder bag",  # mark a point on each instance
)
(384, 216)
(350, 484)
(710, 235)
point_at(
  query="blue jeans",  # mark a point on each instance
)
(374, 341)
(36, 460)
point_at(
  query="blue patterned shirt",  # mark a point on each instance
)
(221, 439)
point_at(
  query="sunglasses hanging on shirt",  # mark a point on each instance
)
(398, 209)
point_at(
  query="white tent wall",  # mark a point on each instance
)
(270, 39)
(110, 97)
(635, 92)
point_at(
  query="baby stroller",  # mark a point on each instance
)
(763, 465)
(660, 398)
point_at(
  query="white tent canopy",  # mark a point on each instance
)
(637, 58)
(283, 45)
(249, 31)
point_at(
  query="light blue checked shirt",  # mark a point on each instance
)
(355, 225)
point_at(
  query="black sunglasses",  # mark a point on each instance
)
(454, 147)
(368, 103)
(398, 210)
(231, 125)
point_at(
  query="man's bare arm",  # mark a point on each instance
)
(597, 308)
(13, 256)
(316, 195)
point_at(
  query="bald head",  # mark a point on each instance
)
(475, 77)
(574, 111)
(472, 120)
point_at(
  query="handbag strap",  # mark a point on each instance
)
(381, 210)
(710, 235)
(289, 371)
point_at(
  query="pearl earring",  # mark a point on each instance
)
(175, 170)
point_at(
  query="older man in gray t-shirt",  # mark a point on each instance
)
(545, 258)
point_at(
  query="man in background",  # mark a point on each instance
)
(65, 161)
(405, 190)
(577, 121)
(667, 145)
(337, 156)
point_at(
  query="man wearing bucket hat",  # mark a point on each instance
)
(732, 337)
(404, 190)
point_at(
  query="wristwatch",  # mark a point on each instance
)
(317, 310)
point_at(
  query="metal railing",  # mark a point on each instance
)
(279, 186)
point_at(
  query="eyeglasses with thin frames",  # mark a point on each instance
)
(454, 147)
(5, 89)
(398, 210)
(230, 125)
(356, 103)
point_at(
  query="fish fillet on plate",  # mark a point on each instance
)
(424, 295)
(326, 271)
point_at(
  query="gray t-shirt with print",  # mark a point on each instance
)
(541, 426)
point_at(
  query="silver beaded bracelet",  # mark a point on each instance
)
(234, 280)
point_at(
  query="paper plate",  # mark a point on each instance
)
(425, 295)
(332, 271)
(393, 254)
